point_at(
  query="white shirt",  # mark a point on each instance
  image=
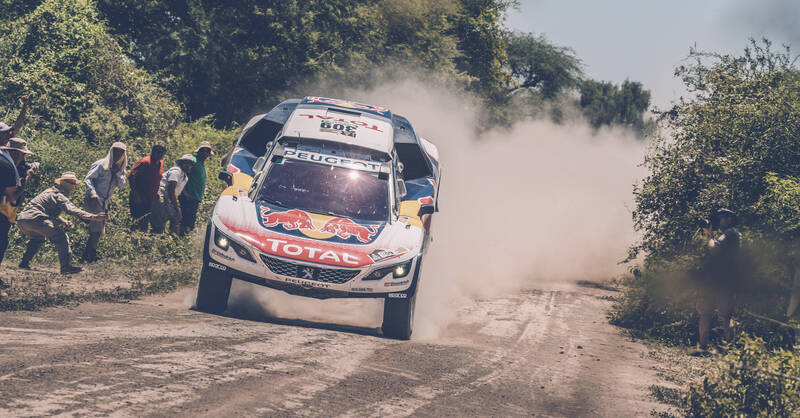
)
(173, 174)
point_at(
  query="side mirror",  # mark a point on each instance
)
(259, 165)
(227, 177)
(277, 153)
(385, 169)
(401, 188)
(400, 167)
(267, 147)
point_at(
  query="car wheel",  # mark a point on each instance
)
(398, 317)
(213, 290)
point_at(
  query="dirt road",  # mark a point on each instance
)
(538, 352)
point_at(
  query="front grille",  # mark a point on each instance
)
(285, 268)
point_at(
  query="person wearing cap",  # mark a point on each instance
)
(41, 219)
(166, 207)
(144, 178)
(105, 176)
(195, 188)
(718, 293)
(11, 188)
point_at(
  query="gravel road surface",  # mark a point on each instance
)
(536, 352)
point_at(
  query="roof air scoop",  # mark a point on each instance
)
(343, 112)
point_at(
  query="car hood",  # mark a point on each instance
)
(316, 238)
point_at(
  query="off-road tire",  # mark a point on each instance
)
(398, 317)
(213, 290)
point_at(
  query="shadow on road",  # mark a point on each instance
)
(261, 316)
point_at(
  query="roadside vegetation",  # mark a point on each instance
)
(734, 144)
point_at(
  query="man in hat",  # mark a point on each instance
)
(105, 176)
(41, 220)
(718, 293)
(166, 207)
(144, 179)
(11, 188)
(195, 188)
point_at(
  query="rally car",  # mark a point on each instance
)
(326, 198)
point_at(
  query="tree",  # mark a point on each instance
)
(538, 65)
(240, 57)
(82, 83)
(605, 104)
(482, 42)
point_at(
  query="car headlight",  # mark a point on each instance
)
(221, 240)
(224, 242)
(397, 270)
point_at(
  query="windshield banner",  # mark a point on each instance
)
(332, 160)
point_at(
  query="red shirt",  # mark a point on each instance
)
(145, 178)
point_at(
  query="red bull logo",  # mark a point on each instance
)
(290, 220)
(345, 228)
(425, 200)
(347, 104)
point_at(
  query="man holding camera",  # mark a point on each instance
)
(717, 290)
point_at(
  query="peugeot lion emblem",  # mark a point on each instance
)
(308, 273)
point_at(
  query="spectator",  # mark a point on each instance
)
(103, 178)
(718, 293)
(8, 132)
(195, 188)
(144, 178)
(166, 207)
(41, 220)
(11, 188)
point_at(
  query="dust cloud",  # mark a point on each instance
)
(530, 205)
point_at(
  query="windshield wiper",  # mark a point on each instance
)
(271, 201)
(331, 213)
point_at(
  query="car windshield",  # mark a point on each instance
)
(326, 189)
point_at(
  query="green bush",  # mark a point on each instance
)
(749, 381)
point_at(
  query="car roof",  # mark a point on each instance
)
(342, 121)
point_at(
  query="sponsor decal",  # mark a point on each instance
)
(296, 222)
(303, 250)
(361, 289)
(345, 228)
(221, 254)
(389, 284)
(380, 255)
(217, 266)
(331, 160)
(398, 295)
(310, 253)
(305, 284)
(427, 200)
(289, 220)
(382, 111)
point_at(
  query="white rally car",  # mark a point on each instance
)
(326, 198)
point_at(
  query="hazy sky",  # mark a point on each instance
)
(644, 40)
